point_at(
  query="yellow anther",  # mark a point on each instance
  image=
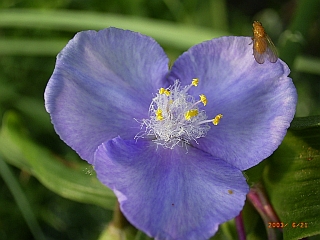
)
(216, 120)
(161, 90)
(203, 99)
(164, 91)
(191, 113)
(195, 81)
(159, 114)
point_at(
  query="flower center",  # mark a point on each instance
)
(175, 117)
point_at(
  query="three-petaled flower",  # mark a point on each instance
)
(171, 143)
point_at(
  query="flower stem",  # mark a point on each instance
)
(119, 228)
(240, 227)
(119, 220)
(259, 200)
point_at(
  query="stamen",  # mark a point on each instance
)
(216, 120)
(191, 113)
(159, 114)
(175, 117)
(195, 82)
(203, 99)
(164, 91)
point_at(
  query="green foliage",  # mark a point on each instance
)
(180, 36)
(68, 180)
(33, 32)
(291, 178)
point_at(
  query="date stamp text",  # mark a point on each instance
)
(283, 225)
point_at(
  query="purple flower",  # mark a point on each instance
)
(170, 143)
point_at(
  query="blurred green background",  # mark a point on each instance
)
(46, 189)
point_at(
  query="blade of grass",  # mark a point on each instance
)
(46, 47)
(21, 200)
(307, 64)
(180, 36)
(68, 181)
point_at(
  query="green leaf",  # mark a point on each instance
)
(69, 181)
(305, 122)
(178, 35)
(292, 180)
